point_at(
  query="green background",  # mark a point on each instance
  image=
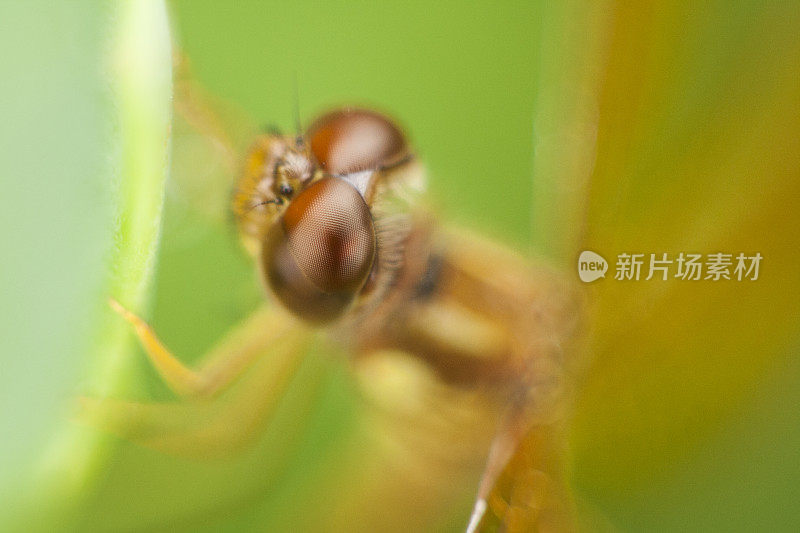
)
(464, 79)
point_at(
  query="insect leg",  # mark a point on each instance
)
(225, 363)
(524, 486)
(503, 448)
(200, 427)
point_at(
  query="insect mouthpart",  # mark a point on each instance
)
(276, 201)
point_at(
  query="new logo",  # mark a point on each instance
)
(591, 266)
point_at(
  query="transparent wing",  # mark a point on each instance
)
(697, 151)
(683, 138)
(209, 138)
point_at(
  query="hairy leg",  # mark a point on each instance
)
(263, 329)
(206, 423)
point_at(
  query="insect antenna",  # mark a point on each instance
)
(298, 128)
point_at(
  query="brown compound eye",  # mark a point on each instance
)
(352, 140)
(319, 254)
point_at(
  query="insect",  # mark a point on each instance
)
(336, 223)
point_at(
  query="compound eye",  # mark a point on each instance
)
(318, 256)
(352, 140)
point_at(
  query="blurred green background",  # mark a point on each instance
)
(692, 111)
